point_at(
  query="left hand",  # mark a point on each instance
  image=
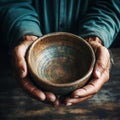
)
(100, 74)
(21, 72)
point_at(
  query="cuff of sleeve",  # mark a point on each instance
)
(20, 32)
(103, 35)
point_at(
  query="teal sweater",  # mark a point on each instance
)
(38, 17)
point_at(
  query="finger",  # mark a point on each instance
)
(93, 86)
(102, 61)
(102, 56)
(32, 90)
(72, 101)
(50, 97)
(95, 42)
(87, 91)
(56, 103)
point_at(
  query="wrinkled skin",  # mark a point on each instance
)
(100, 74)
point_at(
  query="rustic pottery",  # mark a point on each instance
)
(60, 62)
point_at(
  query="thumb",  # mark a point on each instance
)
(19, 61)
(102, 61)
(19, 52)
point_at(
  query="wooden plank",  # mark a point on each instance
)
(15, 104)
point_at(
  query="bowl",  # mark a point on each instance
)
(60, 62)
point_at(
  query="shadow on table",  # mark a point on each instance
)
(15, 104)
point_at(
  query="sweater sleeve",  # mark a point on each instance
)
(18, 18)
(102, 20)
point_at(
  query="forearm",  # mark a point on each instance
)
(18, 19)
(102, 20)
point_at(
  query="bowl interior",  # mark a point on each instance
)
(60, 59)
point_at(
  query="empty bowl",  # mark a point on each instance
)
(60, 62)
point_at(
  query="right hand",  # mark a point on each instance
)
(21, 73)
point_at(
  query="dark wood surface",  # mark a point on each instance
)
(17, 105)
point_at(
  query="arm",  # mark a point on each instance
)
(20, 26)
(100, 74)
(21, 73)
(18, 18)
(102, 20)
(99, 27)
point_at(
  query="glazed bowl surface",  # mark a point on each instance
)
(60, 62)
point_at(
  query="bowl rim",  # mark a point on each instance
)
(34, 75)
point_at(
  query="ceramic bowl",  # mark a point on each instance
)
(60, 62)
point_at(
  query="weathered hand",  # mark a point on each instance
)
(100, 74)
(21, 73)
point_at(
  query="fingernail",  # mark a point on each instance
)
(68, 104)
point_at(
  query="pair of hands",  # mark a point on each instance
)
(100, 74)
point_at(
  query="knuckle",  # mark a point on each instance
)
(37, 94)
(85, 90)
(28, 87)
(101, 64)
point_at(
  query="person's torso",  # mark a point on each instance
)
(61, 15)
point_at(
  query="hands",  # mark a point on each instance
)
(21, 73)
(100, 74)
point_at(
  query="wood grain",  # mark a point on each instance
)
(17, 105)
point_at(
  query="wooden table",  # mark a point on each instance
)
(17, 105)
